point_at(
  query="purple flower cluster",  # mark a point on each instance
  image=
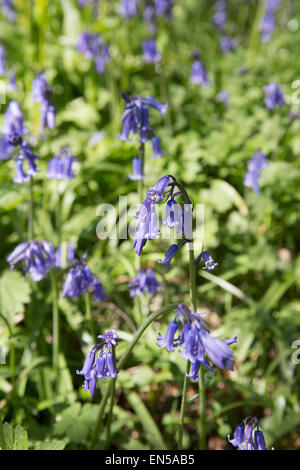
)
(80, 280)
(2, 61)
(145, 281)
(268, 21)
(38, 258)
(219, 19)
(247, 436)
(135, 118)
(177, 216)
(60, 166)
(273, 96)
(100, 361)
(152, 9)
(12, 142)
(151, 55)
(220, 15)
(93, 48)
(196, 342)
(255, 165)
(42, 94)
(8, 10)
(199, 75)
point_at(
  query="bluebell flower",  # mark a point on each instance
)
(38, 258)
(69, 256)
(98, 291)
(60, 166)
(145, 127)
(156, 147)
(268, 22)
(100, 361)
(199, 74)
(42, 94)
(81, 280)
(156, 193)
(171, 252)
(223, 97)
(2, 61)
(88, 44)
(137, 169)
(169, 341)
(151, 55)
(173, 214)
(220, 16)
(247, 436)
(12, 83)
(273, 96)
(196, 343)
(207, 259)
(227, 44)
(128, 8)
(163, 8)
(13, 128)
(8, 10)
(102, 59)
(145, 281)
(135, 118)
(255, 165)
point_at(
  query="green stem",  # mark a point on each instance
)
(202, 409)
(110, 413)
(12, 363)
(55, 322)
(182, 407)
(88, 313)
(30, 211)
(122, 363)
(202, 398)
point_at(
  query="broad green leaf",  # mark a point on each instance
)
(151, 430)
(14, 293)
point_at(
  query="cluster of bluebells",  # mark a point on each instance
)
(255, 165)
(38, 258)
(8, 9)
(189, 333)
(135, 120)
(273, 96)
(60, 166)
(219, 19)
(247, 436)
(268, 21)
(42, 94)
(145, 281)
(93, 48)
(199, 75)
(151, 54)
(12, 144)
(151, 10)
(177, 216)
(100, 361)
(81, 280)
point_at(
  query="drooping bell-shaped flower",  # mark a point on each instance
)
(137, 169)
(156, 147)
(199, 74)
(151, 54)
(273, 96)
